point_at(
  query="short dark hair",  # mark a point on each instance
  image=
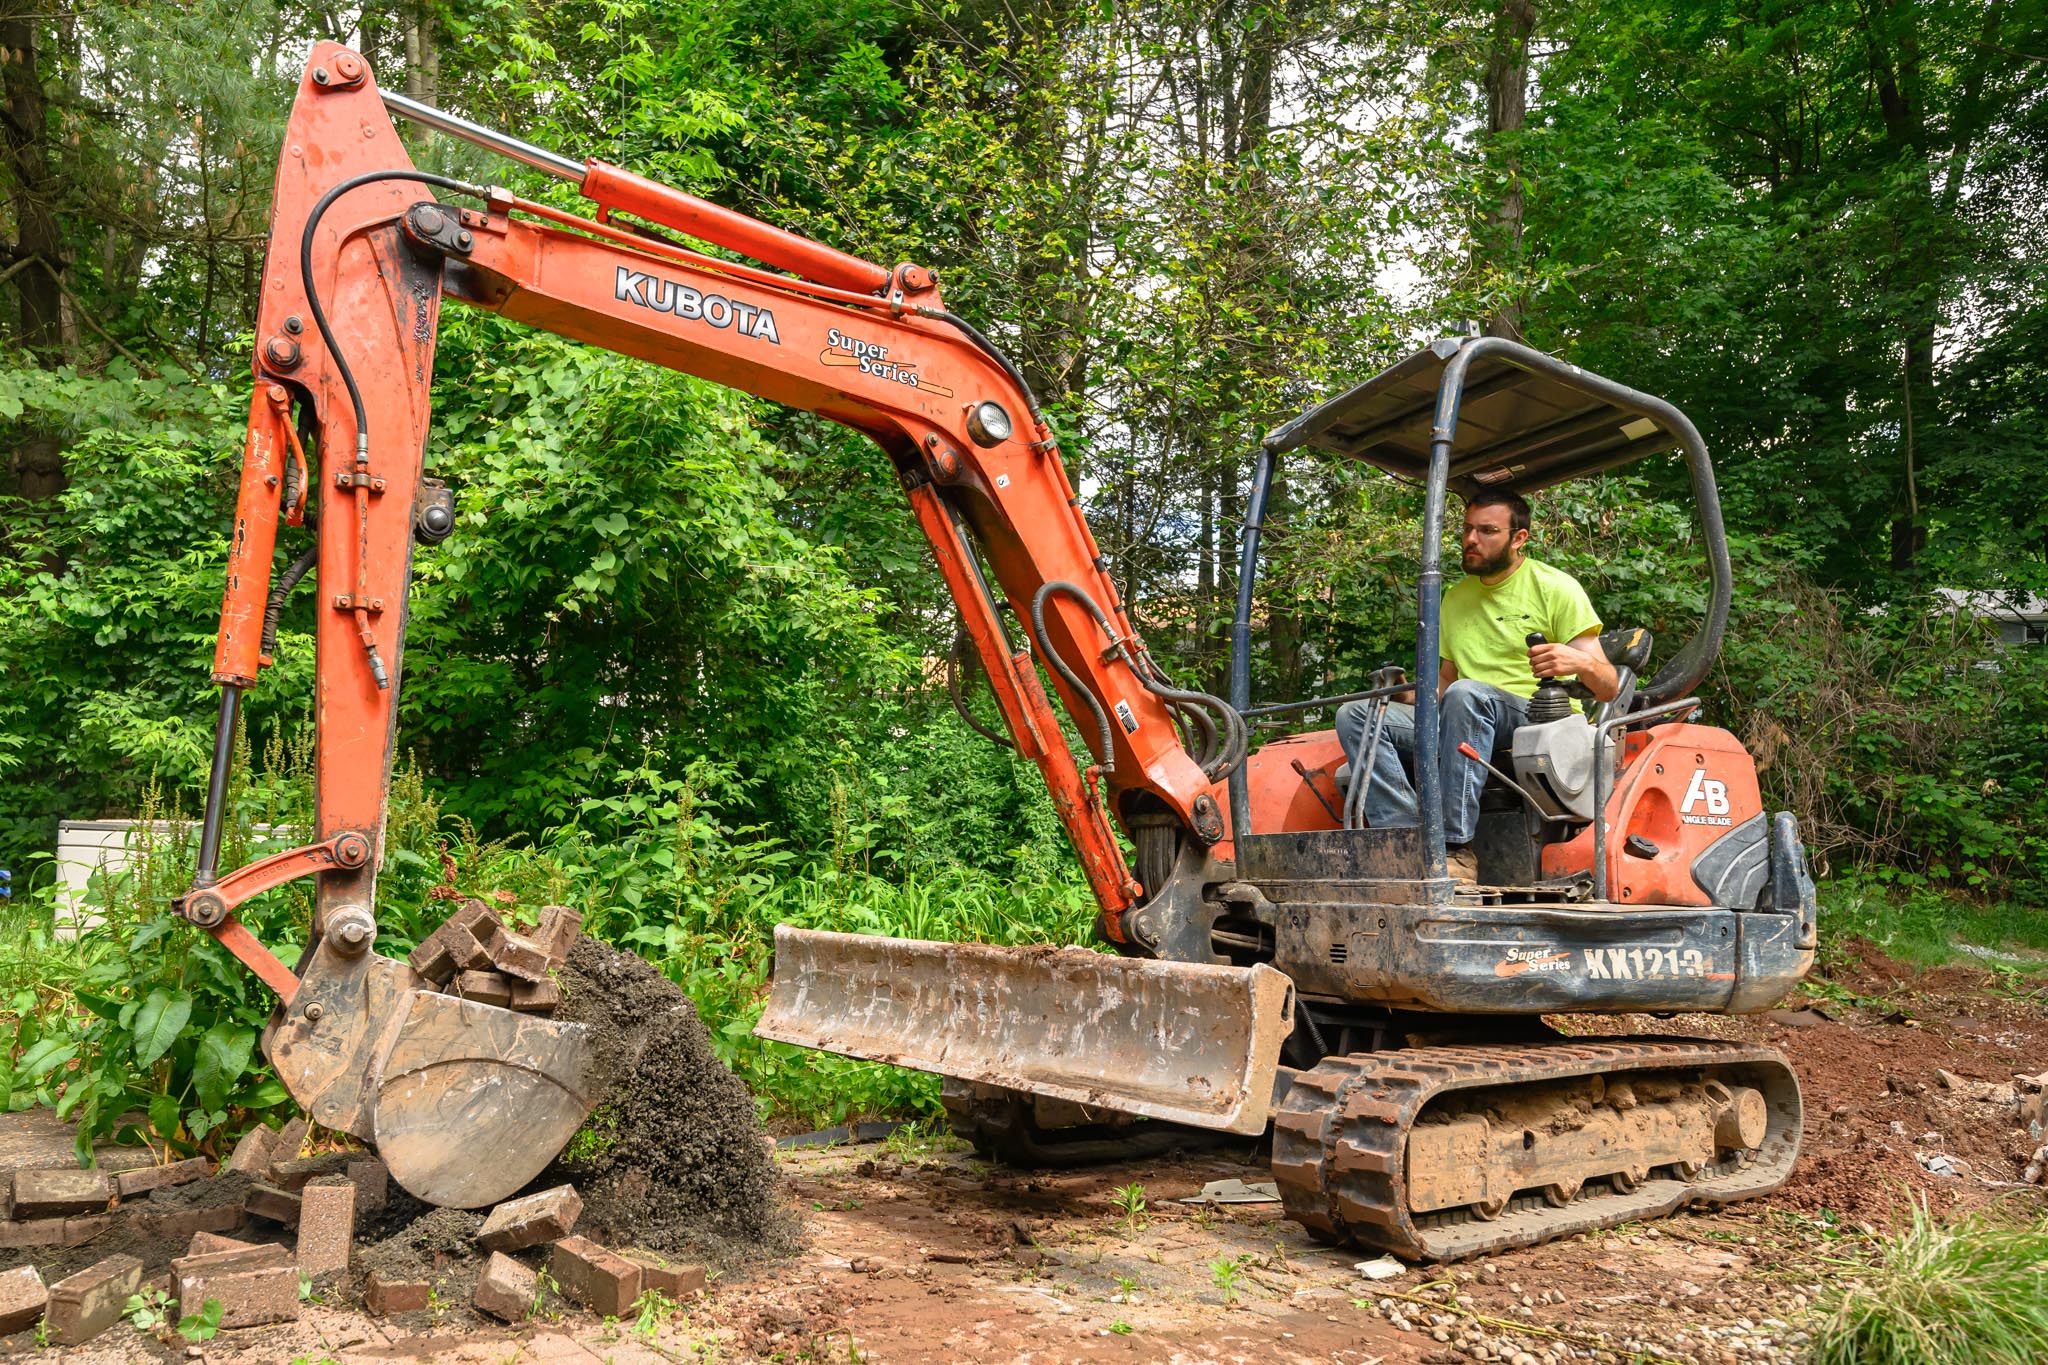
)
(1517, 505)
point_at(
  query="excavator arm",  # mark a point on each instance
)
(364, 247)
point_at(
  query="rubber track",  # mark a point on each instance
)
(1340, 1140)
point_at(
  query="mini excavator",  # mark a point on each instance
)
(1272, 964)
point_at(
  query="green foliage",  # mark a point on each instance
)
(1963, 1292)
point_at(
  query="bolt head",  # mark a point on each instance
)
(428, 220)
(314, 1011)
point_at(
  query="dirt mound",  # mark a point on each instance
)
(674, 1159)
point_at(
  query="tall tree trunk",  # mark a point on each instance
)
(1506, 81)
(38, 462)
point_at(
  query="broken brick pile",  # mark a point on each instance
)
(475, 955)
(255, 1283)
(322, 1199)
(606, 1282)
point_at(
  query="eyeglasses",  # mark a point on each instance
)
(1470, 529)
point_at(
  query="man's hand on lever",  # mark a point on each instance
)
(1582, 658)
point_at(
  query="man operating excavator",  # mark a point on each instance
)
(1489, 672)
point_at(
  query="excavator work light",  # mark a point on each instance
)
(989, 424)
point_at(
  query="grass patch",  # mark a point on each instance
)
(1970, 1292)
(1924, 928)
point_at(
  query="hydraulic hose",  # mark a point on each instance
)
(1106, 754)
(348, 378)
(955, 688)
(274, 608)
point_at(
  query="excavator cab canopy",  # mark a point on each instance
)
(1465, 414)
(1518, 428)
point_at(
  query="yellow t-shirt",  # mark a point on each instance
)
(1485, 626)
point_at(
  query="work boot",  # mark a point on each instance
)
(1462, 863)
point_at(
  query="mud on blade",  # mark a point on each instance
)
(1186, 1043)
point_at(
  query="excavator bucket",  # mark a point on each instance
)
(466, 1102)
(1190, 1044)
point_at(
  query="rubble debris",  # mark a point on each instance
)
(507, 1289)
(254, 1287)
(296, 1173)
(387, 1296)
(53, 1232)
(22, 1298)
(1381, 1268)
(61, 1193)
(557, 932)
(486, 988)
(1237, 1192)
(531, 1220)
(140, 1181)
(600, 1280)
(204, 1243)
(290, 1139)
(514, 954)
(252, 1154)
(453, 947)
(2037, 1167)
(279, 1206)
(86, 1304)
(536, 997)
(373, 1185)
(673, 1278)
(327, 1224)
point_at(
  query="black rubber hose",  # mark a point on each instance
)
(1107, 756)
(274, 608)
(955, 660)
(348, 379)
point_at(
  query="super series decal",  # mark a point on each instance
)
(871, 358)
(713, 310)
(1610, 964)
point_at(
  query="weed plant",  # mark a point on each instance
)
(1969, 1292)
(145, 1028)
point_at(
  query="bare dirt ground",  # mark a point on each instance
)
(914, 1254)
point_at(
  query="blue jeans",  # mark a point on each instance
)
(1474, 713)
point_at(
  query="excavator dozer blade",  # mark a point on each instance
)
(1190, 1044)
(466, 1102)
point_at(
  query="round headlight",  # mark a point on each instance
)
(988, 424)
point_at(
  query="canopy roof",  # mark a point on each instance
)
(1524, 422)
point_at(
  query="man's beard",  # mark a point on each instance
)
(1484, 567)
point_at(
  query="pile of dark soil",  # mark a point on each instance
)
(674, 1160)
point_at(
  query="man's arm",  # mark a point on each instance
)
(1446, 674)
(1582, 657)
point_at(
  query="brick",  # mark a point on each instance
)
(600, 1280)
(254, 1287)
(536, 997)
(327, 1224)
(515, 954)
(36, 1232)
(486, 988)
(131, 1184)
(295, 1175)
(673, 1278)
(373, 1185)
(388, 1297)
(206, 1243)
(170, 1224)
(59, 1194)
(290, 1139)
(86, 1304)
(544, 1217)
(22, 1298)
(279, 1206)
(557, 932)
(252, 1153)
(79, 1231)
(455, 946)
(507, 1289)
